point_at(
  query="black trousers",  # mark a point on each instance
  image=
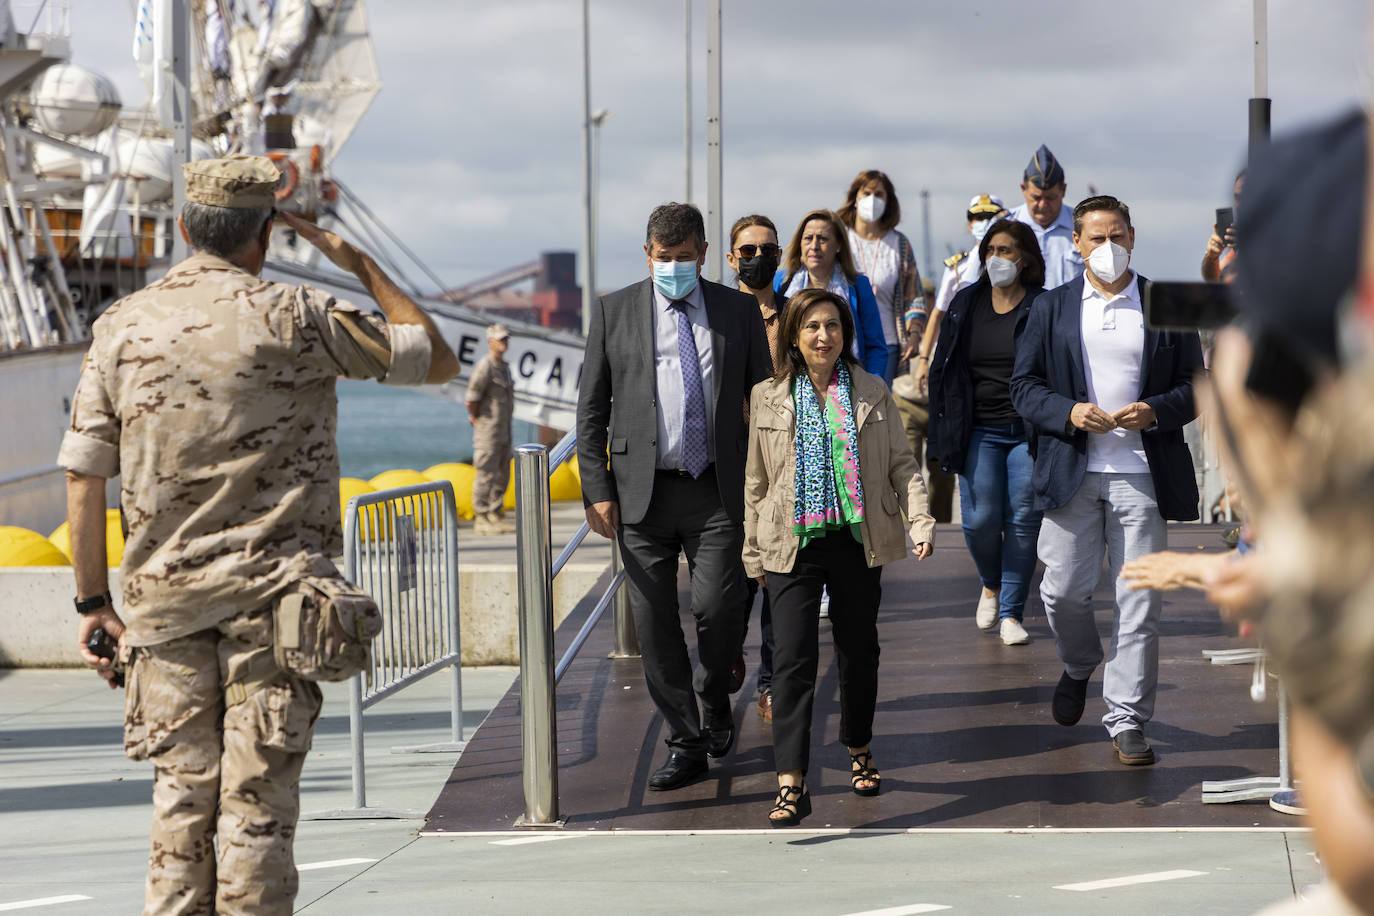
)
(686, 517)
(835, 562)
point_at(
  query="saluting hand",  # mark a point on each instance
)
(342, 254)
(1091, 418)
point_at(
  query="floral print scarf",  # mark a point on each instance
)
(828, 493)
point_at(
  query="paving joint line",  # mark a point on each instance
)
(351, 878)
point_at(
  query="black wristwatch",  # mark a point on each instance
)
(91, 605)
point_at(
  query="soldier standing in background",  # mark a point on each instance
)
(210, 393)
(491, 401)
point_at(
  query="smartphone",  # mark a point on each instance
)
(1226, 218)
(1173, 306)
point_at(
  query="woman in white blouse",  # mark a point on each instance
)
(870, 214)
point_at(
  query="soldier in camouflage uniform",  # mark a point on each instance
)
(211, 394)
(491, 400)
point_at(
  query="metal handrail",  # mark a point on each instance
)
(539, 675)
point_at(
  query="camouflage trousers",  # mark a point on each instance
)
(492, 464)
(226, 775)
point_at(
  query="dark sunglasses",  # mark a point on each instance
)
(749, 251)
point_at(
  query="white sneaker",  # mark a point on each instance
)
(1013, 634)
(987, 611)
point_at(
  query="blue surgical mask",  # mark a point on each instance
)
(675, 279)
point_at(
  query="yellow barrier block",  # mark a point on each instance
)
(402, 477)
(509, 501)
(61, 538)
(460, 476)
(22, 547)
(564, 484)
(350, 487)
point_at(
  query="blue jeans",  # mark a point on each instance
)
(1000, 525)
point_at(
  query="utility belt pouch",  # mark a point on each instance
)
(323, 628)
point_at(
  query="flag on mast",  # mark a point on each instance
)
(153, 55)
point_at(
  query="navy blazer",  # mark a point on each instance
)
(617, 402)
(1049, 380)
(951, 385)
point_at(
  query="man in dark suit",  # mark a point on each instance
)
(1107, 398)
(669, 365)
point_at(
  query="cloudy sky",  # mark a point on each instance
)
(472, 151)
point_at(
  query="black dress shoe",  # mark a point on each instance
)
(1069, 698)
(1132, 750)
(676, 772)
(719, 739)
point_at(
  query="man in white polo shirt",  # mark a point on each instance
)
(1107, 398)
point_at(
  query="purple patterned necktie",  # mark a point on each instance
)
(694, 449)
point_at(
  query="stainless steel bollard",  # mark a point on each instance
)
(626, 639)
(538, 727)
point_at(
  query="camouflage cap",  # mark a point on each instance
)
(497, 331)
(238, 181)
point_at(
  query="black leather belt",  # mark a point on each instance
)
(682, 472)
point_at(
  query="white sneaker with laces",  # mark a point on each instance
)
(986, 617)
(1013, 634)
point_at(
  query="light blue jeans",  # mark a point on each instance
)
(1000, 522)
(1118, 514)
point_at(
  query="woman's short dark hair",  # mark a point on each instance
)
(1032, 261)
(892, 211)
(792, 363)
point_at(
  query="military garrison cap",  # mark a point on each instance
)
(1044, 171)
(237, 181)
(985, 206)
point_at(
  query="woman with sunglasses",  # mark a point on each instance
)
(870, 214)
(753, 256)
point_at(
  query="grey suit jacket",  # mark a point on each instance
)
(618, 395)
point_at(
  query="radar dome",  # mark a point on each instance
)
(72, 100)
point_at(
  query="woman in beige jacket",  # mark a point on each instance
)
(829, 478)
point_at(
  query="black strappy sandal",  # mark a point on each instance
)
(864, 773)
(794, 802)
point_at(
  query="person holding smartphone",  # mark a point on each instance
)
(1218, 261)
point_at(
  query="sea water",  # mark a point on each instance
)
(382, 427)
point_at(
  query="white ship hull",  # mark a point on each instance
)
(38, 387)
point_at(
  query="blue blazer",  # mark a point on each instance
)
(868, 322)
(1049, 380)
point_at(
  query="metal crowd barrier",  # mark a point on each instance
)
(539, 676)
(401, 547)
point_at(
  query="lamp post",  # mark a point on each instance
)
(598, 117)
(588, 228)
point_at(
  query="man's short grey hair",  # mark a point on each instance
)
(223, 231)
(672, 224)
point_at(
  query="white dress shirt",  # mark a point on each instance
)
(668, 372)
(1113, 332)
(1062, 261)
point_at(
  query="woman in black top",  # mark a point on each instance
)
(977, 433)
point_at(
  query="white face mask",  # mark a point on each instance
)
(980, 228)
(1002, 272)
(871, 208)
(1108, 262)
